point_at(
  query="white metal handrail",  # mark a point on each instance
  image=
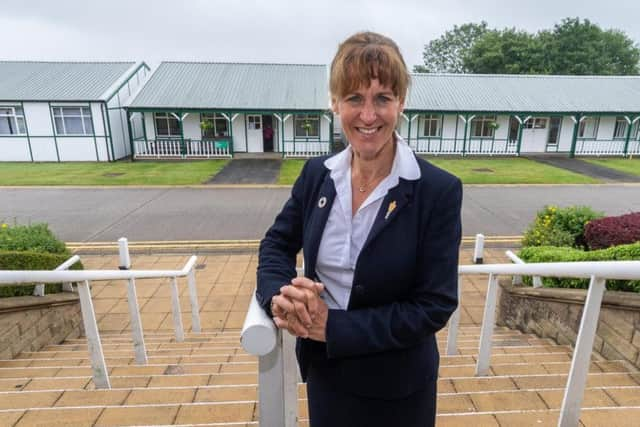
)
(84, 279)
(38, 290)
(258, 335)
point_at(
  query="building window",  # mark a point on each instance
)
(254, 122)
(12, 121)
(72, 120)
(634, 130)
(483, 126)
(536, 123)
(589, 127)
(431, 125)
(307, 126)
(167, 125)
(214, 125)
(620, 129)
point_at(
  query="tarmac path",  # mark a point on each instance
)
(222, 213)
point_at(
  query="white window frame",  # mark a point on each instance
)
(482, 123)
(305, 117)
(15, 119)
(590, 124)
(428, 121)
(622, 130)
(536, 123)
(214, 118)
(165, 116)
(61, 112)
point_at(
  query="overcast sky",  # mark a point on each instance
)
(292, 31)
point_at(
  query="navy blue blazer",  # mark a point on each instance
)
(404, 284)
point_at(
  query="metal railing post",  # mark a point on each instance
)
(488, 321)
(98, 365)
(454, 321)
(574, 392)
(175, 309)
(38, 291)
(193, 298)
(479, 249)
(517, 280)
(137, 332)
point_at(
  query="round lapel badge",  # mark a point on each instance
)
(322, 202)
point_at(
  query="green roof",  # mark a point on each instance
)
(235, 86)
(523, 93)
(59, 81)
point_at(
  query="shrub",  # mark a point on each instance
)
(612, 231)
(29, 260)
(555, 226)
(555, 254)
(36, 237)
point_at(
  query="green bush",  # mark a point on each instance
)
(555, 254)
(555, 226)
(30, 260)
(36, 237)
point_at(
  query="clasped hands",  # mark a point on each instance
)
(300, 310)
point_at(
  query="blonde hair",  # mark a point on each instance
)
(366, 56)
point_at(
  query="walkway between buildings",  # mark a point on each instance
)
(209, 380)
(249, 171)
(585, 168)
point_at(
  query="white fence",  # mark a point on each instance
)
(181, 148)
(306, 148)
(84, 278)
(275, 349)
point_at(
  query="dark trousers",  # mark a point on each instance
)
(331, 407)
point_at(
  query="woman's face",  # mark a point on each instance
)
(369, 116)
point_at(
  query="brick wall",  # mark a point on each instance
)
(31, 323)
(556, 314)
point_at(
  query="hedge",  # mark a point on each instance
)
(554, 226)
(32, 260)
(613, 231)
(36, 237)
(565, 254)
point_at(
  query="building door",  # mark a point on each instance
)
(514, 125)
(268, 133)
(254, 133)
(554, 133)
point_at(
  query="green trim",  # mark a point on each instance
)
(524, 112)
(95, 142)
(574, 138)
(183, 148)
(464, 137)
(520, 127)
(246, 142)
(282, 132)
(223, 110)
(133, 157)
(110, 134)
(231, 150)
(51, 136)
(626, 140)
(53, 128)
(26, 128)
(409, 129)
(129, 77)
(104, 130)
(331, 132)
(144, 129)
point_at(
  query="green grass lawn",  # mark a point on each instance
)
(117, 173)
(630, 166)
(481, 171)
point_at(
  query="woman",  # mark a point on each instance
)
(380, 231)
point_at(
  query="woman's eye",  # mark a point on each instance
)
(354, 99)
(383, 99)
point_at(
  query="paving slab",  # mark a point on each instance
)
(249, 171)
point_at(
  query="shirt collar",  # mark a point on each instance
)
(404, 166)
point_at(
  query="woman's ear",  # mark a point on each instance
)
(335, 105)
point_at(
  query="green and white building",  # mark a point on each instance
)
(471, 114)
(66, 111)
(196, 109)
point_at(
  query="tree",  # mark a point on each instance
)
(581, 47)
(506, 52)
(445, 54)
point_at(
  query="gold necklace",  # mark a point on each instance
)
(364, 187)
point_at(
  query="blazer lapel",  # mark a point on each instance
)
(321, 209)
(395, 200)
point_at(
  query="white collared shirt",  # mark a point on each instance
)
(344, 235)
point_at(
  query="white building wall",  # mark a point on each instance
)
(78, 149)
(606, 128)
(14, 149)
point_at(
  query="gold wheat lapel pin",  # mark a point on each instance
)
(392, 207)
